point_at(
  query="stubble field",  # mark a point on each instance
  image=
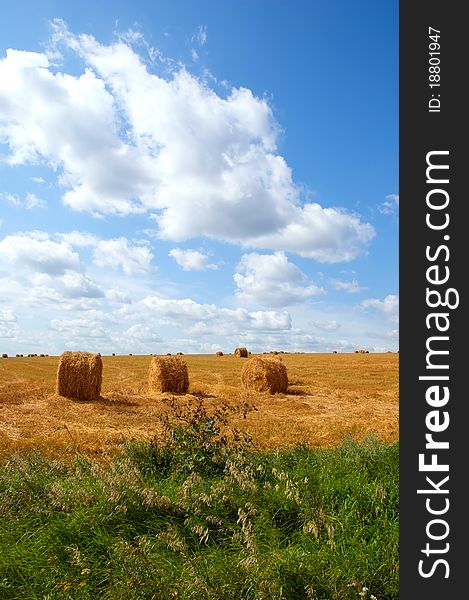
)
(330, 397)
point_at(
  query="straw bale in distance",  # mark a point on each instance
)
(79, 375)
(168, 374)
(265, 375)
(241, 352)
(218, 353)
(4, 355)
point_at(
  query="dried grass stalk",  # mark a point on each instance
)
(265, 375)
(80, 375)
(168, 374)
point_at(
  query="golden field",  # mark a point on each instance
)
(330, 396)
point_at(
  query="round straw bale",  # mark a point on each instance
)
(264, 375)
(4, 355)
(218, 353)
(168, 374)
(79, 375)
(241, 352)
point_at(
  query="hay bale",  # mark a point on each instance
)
(113, 354)
(179, 354)
(4, 355)
(241, 352)
(168, 374)
(334, 351)
(264, 375)
(218, 353)
(79, 375)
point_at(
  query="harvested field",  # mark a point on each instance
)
(329, 397)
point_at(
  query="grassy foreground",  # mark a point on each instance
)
(198, 515)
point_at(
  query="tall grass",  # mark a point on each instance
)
(199, 515)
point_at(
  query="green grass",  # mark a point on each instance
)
(200, 517)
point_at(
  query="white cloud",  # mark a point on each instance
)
(184, 312)
(78, 238)
(142, 333)
(191, 260)
(352, 287)
(8, 329)
(32, 201)
(76, 285)
(8, 324)
(94, 326)
(118, 297)
(390, 206)
(204, 165)
(70, 122)
(330, 325)
(118, 254)
(7, 315)
(389, 306)
(38, 180)
(271, 280)
(201, 36)
(28, 202)
(37, 253)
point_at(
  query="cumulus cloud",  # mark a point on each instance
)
(183, 312)
(36, 252)
(77, 285)
(390, 206)
(389, 306)
(118, 297)
(271, 280)
(8, 329)
(118, 254)
(129, 140)
(191, 260)
(142, 333)
(70, 122)
(95, 327)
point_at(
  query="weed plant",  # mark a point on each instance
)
(200, 514)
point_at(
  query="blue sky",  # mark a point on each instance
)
(194, 176)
